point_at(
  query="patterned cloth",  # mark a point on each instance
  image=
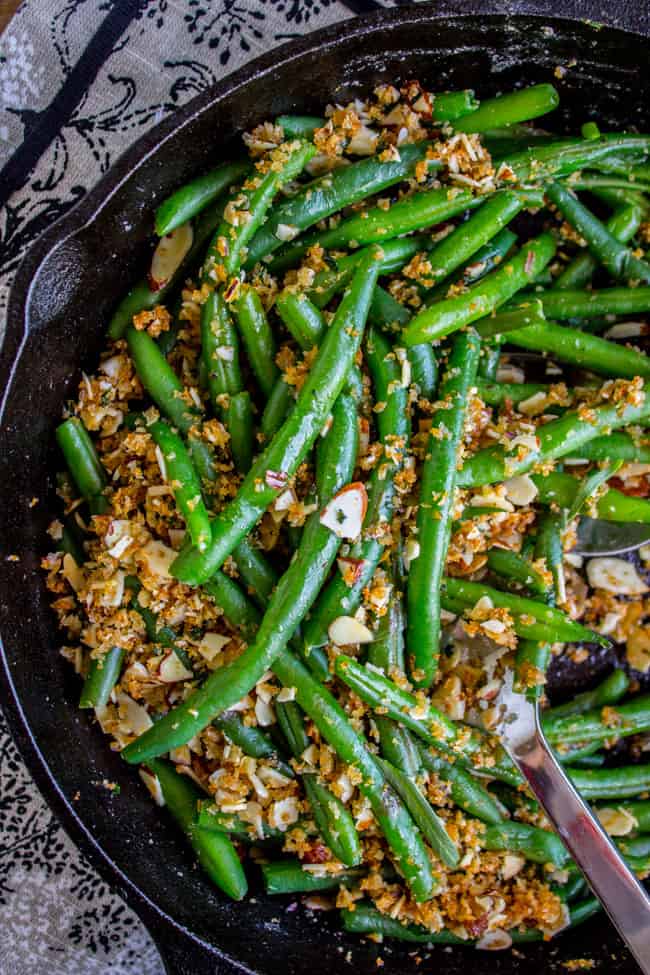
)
(80, 80)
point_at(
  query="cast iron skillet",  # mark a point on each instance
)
(59, 307)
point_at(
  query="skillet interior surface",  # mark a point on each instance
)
(60, 304)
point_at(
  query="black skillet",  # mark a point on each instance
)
(59, 306)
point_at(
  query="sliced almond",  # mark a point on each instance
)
(350, 569)
(157, 558)
(345, 512)
(172, 669)
(275, 479)
(626, 330)
(72, 573)
(512, 864)
(521, 490)
(286, 231)
(169, 255)
(617, 821)
(616, 576)
(345, 630)
(363, 142)
(153, 786)
(264, 713)
(411, 551)
(212, 644)
(510, 374)
(133, 716)
(494, 941)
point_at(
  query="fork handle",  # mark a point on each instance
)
(608, 875)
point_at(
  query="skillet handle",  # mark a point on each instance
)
(182, 955)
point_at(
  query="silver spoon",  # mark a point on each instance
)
(609, 877)
(598, 537)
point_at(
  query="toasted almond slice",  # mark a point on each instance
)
(72, 572)
(615, 575)
(133, 716)
(345, 630)
(153, 786)
(350, 569)
(275, 479)
(212, 644)
(494, 941)
(616, 820)
(157, 558)
(521, 490)
(345, 512)
(169, 255)
(626, 330)
(173, 669)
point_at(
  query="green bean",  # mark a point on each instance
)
(437, 493)
(634, 849)
(292, 724)
(623, 225)
(338, 597)
(497, 394)
(549, 546)
(258, 338)
(236, 606)
(392, 817)
(452, 105)
(623, 782)
(366, 919)
(465, 791)
(557, 159)
(299, 126)
(387, 314)
(593, 760)
(214, 850)
(426, 721)
(252, 741)
(640, 810)
(558, 438)
(287, 606)
(141, 297)
(606, 248)
(211, 819)
(617, 446)
(515, 106)
(432, 827)
(229, 246)
(220, 350)
(538, 845)
(279, 404)
(195, 196)
(593, 304)
(580, 349)
(501, 323)
(415, 212)
(332, 192)
(514, 567)
(239, 422)
(531, 663)
(290, 445)
(302, 318)
(506, 139)
(542, 622)
(160, 381)
(83, 463)
(290, 877)
(481, 299)
(184, 481)
(103, 674)
(335, 823)
(488, 368)
(468, 237)
(387, 652)
(561, 489)
(619, 721)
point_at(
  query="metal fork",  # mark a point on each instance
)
(599, 537)
(611, 880)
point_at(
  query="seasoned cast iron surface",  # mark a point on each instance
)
(65, 292)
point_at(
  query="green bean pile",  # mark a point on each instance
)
(319, 506)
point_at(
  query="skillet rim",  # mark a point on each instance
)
(84, 213)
